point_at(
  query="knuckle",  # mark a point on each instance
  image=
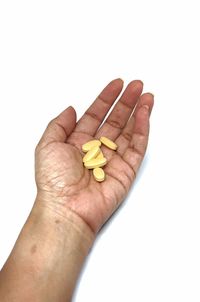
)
(93, 115)
(127, 136)
(115, 123)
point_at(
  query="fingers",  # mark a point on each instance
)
(137, 143)
(121, 111)
(59, 128)
(125, 137)
(93, 117)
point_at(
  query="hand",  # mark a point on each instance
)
(62, 181)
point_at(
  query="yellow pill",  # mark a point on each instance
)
(91, 154)
(100, 155)
(95, 163)
(99, 174)
(89, 145)
(108, 143)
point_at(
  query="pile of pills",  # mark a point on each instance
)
(94, 158)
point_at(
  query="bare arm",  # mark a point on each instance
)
(46, 260)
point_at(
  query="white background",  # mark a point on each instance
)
(59, 53)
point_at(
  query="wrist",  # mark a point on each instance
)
(47, 256)
(66, 241)
(54, 214)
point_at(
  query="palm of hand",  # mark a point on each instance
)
(59, 169)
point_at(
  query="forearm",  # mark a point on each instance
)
(47, 257)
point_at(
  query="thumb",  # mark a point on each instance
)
(59, 128)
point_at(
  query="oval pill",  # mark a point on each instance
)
(108, 143)
(89, 145)
(99, 174)
(100, 155)
(92, 153)
(95, 163)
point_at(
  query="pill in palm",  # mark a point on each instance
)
(94, 158)
(89, 145)
(92, 153)
(108, 143)
(100, 155)
(95, 163)
(99, 174)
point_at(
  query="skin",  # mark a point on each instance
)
(70, 206)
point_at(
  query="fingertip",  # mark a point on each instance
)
(119, 80)
(142, 120)
(112, 90)
(69, 114)
(71, 108)
(117, 83)
(135, 85)
(150, 101)
(138, 82)
(149, 95)
(147, 99)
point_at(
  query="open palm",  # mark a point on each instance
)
(60, 175)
